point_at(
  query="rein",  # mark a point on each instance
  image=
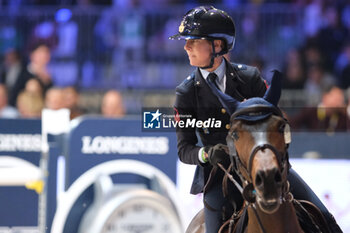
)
(281, 159)
(242, 191)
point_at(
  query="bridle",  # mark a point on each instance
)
(244, 172)
(282, 157)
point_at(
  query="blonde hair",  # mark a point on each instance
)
(30, 104)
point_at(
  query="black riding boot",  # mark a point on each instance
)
(217, 208)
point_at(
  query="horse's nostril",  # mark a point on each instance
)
(258, 179)
(268, 177)
(278, 177)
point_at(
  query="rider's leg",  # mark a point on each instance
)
(215, 203)
(302, 191)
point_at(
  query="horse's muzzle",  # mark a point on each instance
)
(268, 184)
(269, 206)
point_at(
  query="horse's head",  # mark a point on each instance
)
(258, 139)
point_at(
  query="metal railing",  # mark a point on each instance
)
(99, 48)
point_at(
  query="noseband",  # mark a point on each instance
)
(279, 156)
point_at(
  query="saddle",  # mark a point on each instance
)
(310, 217)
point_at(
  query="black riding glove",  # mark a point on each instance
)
(219, 154)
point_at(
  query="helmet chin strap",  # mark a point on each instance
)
(213, 56)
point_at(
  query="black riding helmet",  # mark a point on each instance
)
(209, 23)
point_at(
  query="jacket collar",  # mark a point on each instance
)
(205, 92)
(232, 81)
(220, 71)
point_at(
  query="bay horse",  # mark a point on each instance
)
(258, 142)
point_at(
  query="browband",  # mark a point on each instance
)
(257, 110)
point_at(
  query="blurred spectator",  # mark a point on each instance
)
(317, 79)
(294, 71)
(131, 40)
(159, 45)
(328, 116)
(249, 31)
(54, 98)
(39, 59)
(12, 75)
(67, 33)
(331, 38)
(312, 55)
(6, 111)
(30, 104)
(112, 104)
(86, 41)
(106, 32)
(34, 85)
(313, 17)
(344, 67)
(71, 100)
(43, 32)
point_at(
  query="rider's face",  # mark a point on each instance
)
(198, 51)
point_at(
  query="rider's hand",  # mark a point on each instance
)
(218, 154)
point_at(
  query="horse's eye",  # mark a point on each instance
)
(235, 135)
(281, 128)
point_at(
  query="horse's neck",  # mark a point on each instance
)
(283, 220)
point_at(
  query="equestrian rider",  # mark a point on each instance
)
(210, 34)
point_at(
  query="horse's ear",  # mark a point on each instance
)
(273, 93)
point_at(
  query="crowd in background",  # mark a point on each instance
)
(25, 89)
(315, 59)
(324, 56)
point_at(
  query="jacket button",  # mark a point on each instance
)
(223, 111)
(227, 126)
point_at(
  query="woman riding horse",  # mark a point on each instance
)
(209, 35)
